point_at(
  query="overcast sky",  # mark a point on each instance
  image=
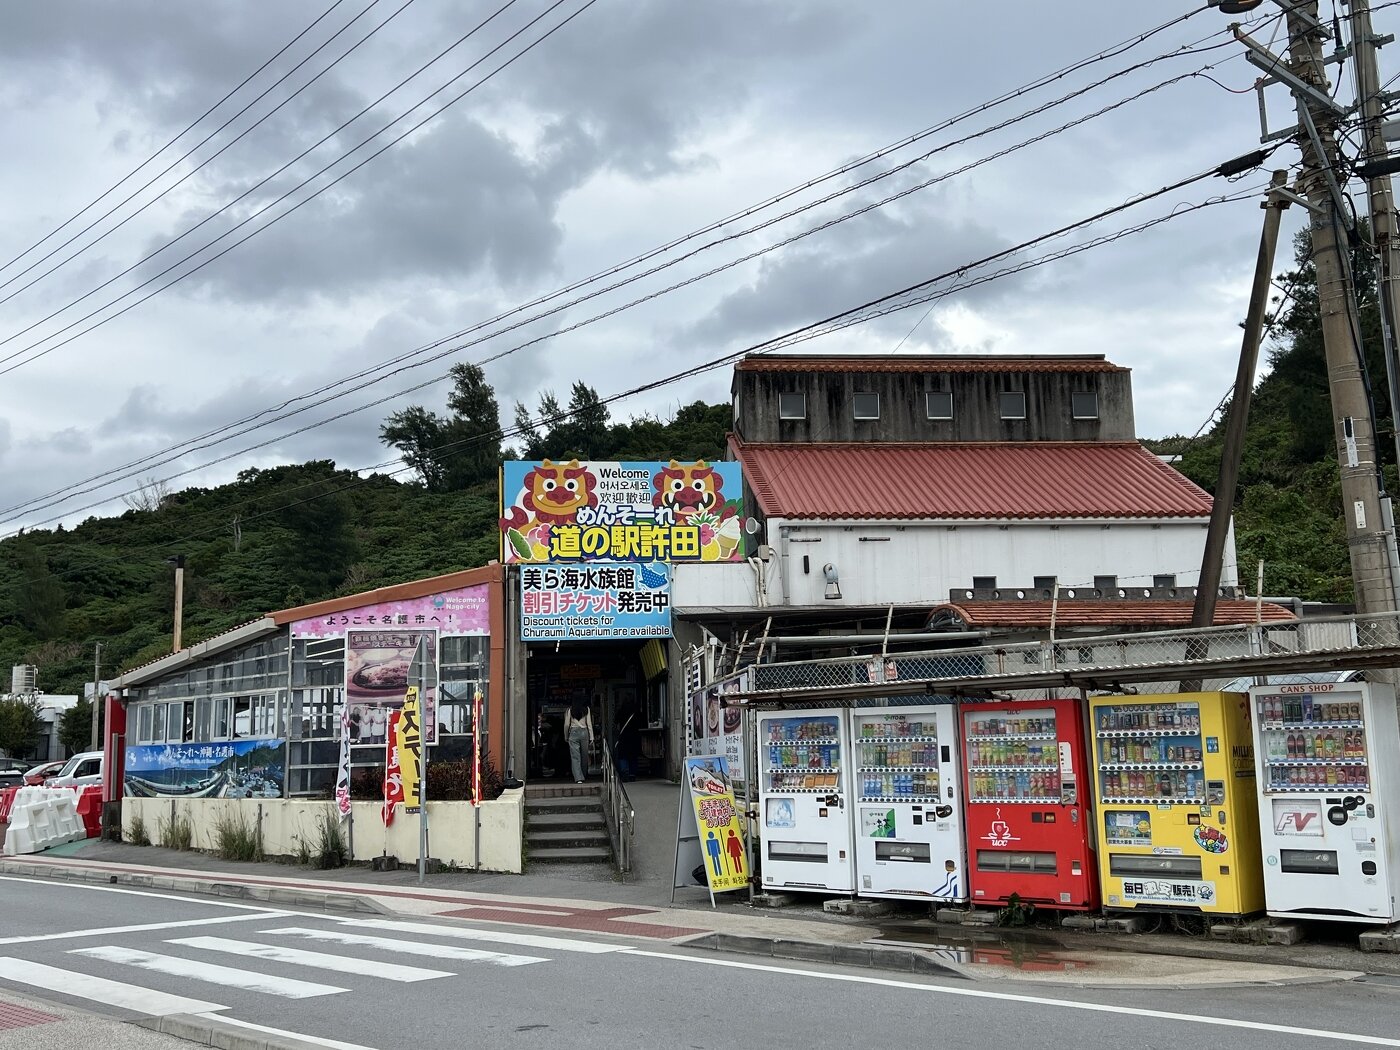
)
(633, 125)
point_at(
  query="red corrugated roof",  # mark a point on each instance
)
(975, 480)
(1099, 613)
(923, 363)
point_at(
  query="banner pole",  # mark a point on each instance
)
(420, 676)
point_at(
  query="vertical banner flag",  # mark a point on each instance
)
(717, 819)
(476, 748)
(342, 773)
(393, 776)
(408, 736)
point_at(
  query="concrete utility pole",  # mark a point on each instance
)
(1376, 166)
(1318, 114)
(179, 562)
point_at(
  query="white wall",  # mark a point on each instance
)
(883, 563)
(288, 822)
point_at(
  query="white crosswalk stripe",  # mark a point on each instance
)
(317, 960)
(229, 976)
(100, 990)
(435, 951)
(468, 933)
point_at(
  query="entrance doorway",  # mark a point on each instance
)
(627, 709)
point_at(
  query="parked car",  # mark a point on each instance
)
(11, 778)
(82, 770)
(41, 773)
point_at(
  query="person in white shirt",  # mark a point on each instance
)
(578, 729)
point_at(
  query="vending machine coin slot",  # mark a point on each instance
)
(1368, 867)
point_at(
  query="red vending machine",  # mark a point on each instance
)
(1029, 829)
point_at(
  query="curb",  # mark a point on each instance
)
(209, 1031)
(300, 898)
(897, 960)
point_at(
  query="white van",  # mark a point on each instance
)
(82, 770)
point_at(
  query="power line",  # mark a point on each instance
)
(185, 156)
(178, 136)
(192, 445)
(306, 200)
(886, 303)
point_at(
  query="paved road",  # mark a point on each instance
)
(362, 981)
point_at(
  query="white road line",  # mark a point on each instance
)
(334, 1044)
(523, 940)
(436, 951)
(228, 976)
(50, 883)
(100, 990)
(110, 931)
(1032, 1000)
(319, 960)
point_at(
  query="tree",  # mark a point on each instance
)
(41, 600)
(19, 725)
(455, 451)
(535, 434)
(579, 432)
(75, 726)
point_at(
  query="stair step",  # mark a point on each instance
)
(570, 855)
(566, 838)
(542, 806)
(552, 821)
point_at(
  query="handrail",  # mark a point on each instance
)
(618, 812)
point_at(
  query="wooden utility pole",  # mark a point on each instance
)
(93, 742)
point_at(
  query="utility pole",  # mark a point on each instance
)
(1368, 539)
(93, 742)
(179, 562)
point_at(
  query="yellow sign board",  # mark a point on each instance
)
(717, 819)
(408, 741)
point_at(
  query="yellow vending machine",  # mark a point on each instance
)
(1178, 817)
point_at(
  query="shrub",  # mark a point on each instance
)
(176, 832)
(330, 841)
(367, 785)
(136, 832)
(237, 838)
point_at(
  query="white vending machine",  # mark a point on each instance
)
(907, 811)
(804, 820)
(1329, 799)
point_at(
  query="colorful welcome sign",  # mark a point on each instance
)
(641, 512)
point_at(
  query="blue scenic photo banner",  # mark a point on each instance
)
(218, 769)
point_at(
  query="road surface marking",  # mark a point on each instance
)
(1031, 1000)
(229, 976)
(523, 940)
(334, 1044)
(110, 931)
(50, 883)
(319, 960)
(436, 951)
(100, 990)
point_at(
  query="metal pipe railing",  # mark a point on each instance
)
(617, 812)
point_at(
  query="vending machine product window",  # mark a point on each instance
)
(1150, 753)
(1013, 757)
(803, 755)
(1312, 743)
(898, 758)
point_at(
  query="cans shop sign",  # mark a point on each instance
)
(597, 600)
(597, 511)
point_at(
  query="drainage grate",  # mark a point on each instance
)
(12, 1016)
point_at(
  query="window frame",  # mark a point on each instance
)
(928, 409)
(1074, 411)
(785, 414)
(1001, 404)
(855, 402)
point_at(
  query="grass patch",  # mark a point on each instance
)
(136, 832)
(176, 832)
(237, 838)
(330, 849)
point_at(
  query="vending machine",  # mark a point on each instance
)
(1327, 807)
(805, 825)
(908, 820)
(1029, 824)
(1178, 821)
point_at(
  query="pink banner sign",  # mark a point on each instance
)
(455, 613)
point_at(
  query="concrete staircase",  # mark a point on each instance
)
(564, 824)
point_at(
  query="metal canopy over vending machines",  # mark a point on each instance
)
(806, 828)
(1327, 807)
(909, 840)
(1028, 819)
(1177, 819)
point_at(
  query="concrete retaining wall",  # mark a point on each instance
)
(288, 823)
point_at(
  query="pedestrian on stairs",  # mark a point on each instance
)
(578, 728)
